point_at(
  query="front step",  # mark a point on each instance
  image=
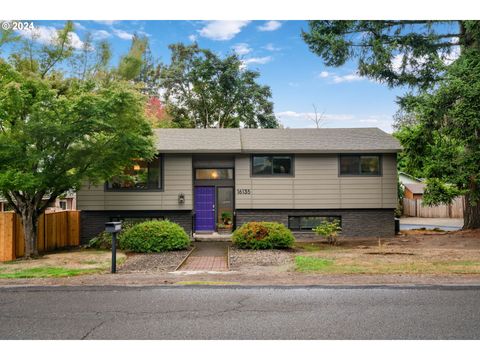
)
(212, 237)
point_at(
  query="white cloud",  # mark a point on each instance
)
(123, 34)
(241, 49)
(79, 26)
(192, 37)
(309, 115)
(222, 29)
(337, 79)
(107, 22)
(271, 47)
(47, 34)
(258, 60)
(295, 119)
(271, 25)
(101, 35)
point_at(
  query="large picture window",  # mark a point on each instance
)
(272, 165)
(307, 223)
(142, 175)
(366, 165)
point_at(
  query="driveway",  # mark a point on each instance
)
(447, 224)
(240, 313)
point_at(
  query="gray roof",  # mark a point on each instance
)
(276, 140)
(415, 188)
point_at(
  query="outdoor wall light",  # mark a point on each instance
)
(136, 167)
(181, 198)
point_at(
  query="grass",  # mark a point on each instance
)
(44, 272)
(330, 266)
(313, 247)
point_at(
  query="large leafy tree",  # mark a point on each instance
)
(439, 125)
(204, 90)
(58, 130)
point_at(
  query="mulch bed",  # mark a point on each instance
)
(157, 262)
(240, 258)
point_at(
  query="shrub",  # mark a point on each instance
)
(154, 236)
(329, 230)
(263, 235)
(104, 240)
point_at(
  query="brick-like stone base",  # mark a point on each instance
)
(93, 222)
(355, 222)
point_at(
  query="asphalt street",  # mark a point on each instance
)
(446, 312)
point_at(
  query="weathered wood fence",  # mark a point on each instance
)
(412, 207)
(56, 230)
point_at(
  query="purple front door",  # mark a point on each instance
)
(204, 208)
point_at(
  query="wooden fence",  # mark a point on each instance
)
(56, 230)
(412, 207)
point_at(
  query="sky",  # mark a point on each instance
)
(297, 77)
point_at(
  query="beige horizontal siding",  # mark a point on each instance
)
(316, 185)
(177, 179)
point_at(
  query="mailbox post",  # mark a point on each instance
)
(114, 227)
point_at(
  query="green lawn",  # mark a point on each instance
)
(43, 272)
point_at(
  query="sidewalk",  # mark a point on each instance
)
(407, 223)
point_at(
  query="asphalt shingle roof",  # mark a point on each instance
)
(276, 140)
(416, 188)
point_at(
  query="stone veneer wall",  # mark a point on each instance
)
(355, 222)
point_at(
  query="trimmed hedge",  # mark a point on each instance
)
(263, 235)
(154, 236)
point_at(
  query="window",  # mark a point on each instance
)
(63, 204)
(272, 165)
(142, 175)
(213, 174)
(360, 165)
(306, 223)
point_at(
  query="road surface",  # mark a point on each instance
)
(240, 313)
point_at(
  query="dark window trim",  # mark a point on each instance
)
(162, 180)
(292, 156)
(304, 215)
(380, 162)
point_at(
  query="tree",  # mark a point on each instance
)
(57, 132)
(317, 118)
(204, 90)
(397, 52)
(445, 141)
(439, 128)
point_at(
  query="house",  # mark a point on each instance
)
(413, 190)
(405, 178)
(64, 202)
(298, 177)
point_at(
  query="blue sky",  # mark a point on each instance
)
(297, 77)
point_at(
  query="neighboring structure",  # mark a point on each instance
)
(66, 202)
(298, 177)
(413, 190)
(405, 178)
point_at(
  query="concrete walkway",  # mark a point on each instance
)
(207, 256)
(448, 224)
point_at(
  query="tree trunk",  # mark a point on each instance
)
(30, 224)
(471, 214)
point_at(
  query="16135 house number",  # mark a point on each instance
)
(243, 191)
